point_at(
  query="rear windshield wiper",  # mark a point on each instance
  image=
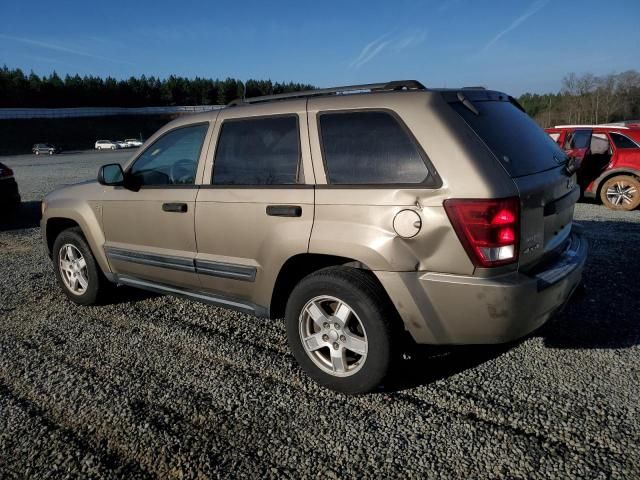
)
(467, 103)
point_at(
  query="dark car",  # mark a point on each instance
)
(45, 148)
(8, 187)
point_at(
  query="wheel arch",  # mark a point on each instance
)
(601, 180)
(297, 267)
(59, 218)
(54, 227)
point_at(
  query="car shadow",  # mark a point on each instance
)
(125, 294)
(425, 364)
(23, 215)
(605, 312)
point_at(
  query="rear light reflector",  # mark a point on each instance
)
(488, 229)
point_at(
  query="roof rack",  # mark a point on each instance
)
(349, 89)
(601, 125)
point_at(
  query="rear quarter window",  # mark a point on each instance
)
(622, 141)
(520, 145)
(371, 148)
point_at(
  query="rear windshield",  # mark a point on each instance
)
(520, 144)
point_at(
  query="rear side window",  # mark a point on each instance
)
(599, 144)
(520, 144)
(621, 141)
(578, 139)
(259, 151)
(370, 147)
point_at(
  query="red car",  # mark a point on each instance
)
(609, 158)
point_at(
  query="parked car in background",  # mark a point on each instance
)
(106, 145)
(45, 148)
(341, 211)
(9, 194)
(121, 144)
(609, 158)
(133, 142)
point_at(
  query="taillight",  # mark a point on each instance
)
(6, 172)
(488, 229)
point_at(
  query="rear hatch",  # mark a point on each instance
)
(534, 162)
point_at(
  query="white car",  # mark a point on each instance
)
(133, 142)
(106, 145)
(121, 144)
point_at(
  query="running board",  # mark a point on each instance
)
(213, 299)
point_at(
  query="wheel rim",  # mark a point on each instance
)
(333, 336)
(73, 269)
(621, 193)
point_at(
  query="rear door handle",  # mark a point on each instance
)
(284, 210)
(174, 207)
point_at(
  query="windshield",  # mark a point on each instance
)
(520, 144)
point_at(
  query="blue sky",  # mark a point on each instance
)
(515, 46)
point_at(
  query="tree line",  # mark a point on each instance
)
(18, 89)
(582, 99)
(587, 99)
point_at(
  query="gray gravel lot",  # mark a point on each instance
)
(153, 386)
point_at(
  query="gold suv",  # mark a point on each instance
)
(356, 213)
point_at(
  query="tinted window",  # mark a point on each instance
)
(261, 151)
(172, 159)
(621, 141)
(369, 148)
(519, 143)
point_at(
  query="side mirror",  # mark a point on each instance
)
(111, 175)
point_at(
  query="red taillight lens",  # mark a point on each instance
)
(6, 172)
(488, 229)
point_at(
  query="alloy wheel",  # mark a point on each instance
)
(621, 193)
(333, 336)
(73, 269)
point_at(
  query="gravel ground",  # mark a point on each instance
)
(153, 386)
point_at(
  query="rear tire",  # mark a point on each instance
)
(77, 270)
(621, 192)
(342, 329)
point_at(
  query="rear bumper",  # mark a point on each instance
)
(454, 309)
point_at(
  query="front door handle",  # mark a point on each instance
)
(284, 210)
(174, 207)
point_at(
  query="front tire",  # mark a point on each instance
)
(341, 329)
(621, 192)
(77, 270)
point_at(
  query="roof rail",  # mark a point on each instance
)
(371, 87)
(602, 125)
